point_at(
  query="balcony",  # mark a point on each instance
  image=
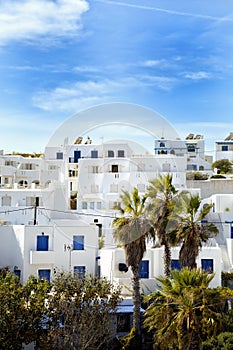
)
(42, 257)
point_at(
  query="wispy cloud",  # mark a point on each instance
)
(197, 75)
(167, 11)
(35, 19)
(86, 93)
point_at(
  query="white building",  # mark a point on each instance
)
(55, 209)
(224, 148)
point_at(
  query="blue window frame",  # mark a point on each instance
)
(175, 264)
(78, 242)
(80, 271)
(42, 243)
(144, 269)
(207, 265)
(44, 273)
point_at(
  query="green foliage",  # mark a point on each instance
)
(189, 230)
(224, 341)
(195, 175)
(22, 308)
(132, 341)
(86, 306)
(185, 309)
(224, 166)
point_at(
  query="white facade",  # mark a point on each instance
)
(224, 148)
(71, 192)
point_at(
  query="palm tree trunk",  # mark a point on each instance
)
(136, 297)
(167, 259)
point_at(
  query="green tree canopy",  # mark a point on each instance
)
(223, 165)
(185, 311)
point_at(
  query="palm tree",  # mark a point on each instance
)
(192, 231)
(162, 196)
(131, 230)
(185, 310)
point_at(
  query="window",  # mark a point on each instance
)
(94, 154)
(79, 271)
(231, 231)
(162, 144)
(6, 201)
(113, 188)
(78, 242)
(175, 264)
(84, 205)
(207, 265)
(42, 243)
(92, 205)
(121, 153)
(99, 205)
(110, 154)
(44, 273)
(59, 155)
(166, 167)
(94, 188)
(224, 148)
(123, 322)
(144, 269)
(95, 169)
(114, 168)
(17, 273)
(191, 148)
(77, 155)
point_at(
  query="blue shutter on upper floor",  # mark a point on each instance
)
(78, 242)
(77, 155)
(42, 243)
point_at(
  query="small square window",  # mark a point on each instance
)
(175, 264)
(59, 155)
(78, 242)
(207, 265)
(44, 273)
(224, 148)
(94, 154)
(80, 271)
(121, 153)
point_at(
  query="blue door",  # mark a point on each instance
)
(77, 155)
(144, 269)
(42, 243)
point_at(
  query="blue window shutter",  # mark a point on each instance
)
(231, 231)
(44, 274)
(42, 243)
(79, 271)
(78, 242)
(207, 265)
(77, 155)
(175, 264)
(144, 269)
(94, 154)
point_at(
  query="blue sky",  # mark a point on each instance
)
(58, 57)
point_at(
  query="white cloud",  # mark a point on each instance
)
(197, 75)
(84, 94)
(32, 19)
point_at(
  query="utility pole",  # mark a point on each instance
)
(35, 209)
